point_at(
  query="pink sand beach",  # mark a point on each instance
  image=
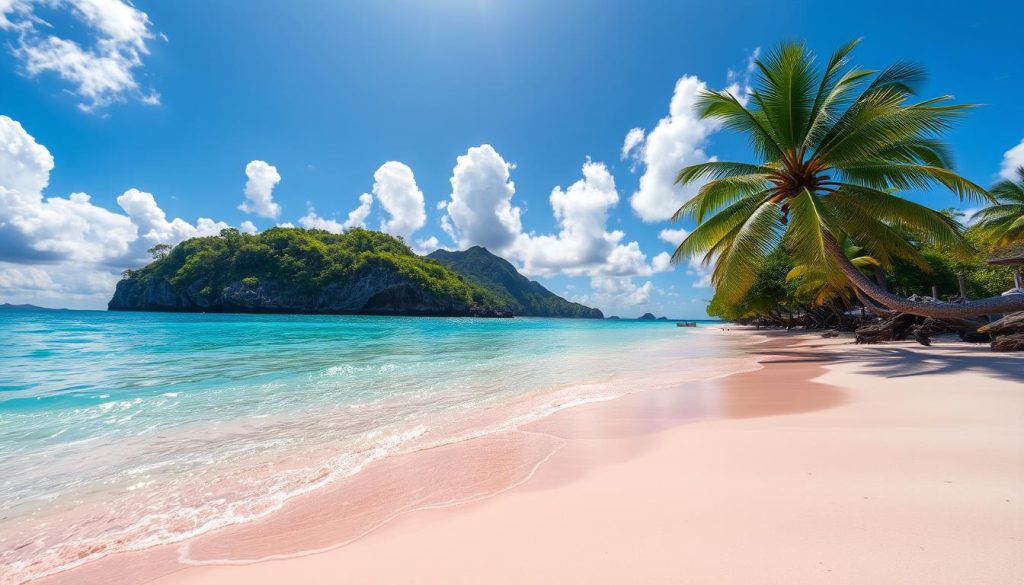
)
(832, 463)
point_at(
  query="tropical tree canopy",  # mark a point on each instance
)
(805, 291)
(823, 284)
(834, 144)
(1003, 222)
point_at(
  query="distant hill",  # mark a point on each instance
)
(294, 270)
(10, 307)
(497, 275)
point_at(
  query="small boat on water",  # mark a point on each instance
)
(685, 324)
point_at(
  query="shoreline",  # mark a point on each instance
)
(577, 446)
(476, 444)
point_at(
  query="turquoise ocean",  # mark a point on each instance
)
(120, 431)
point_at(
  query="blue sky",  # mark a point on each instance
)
(327, 93)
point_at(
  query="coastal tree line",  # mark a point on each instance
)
(816, 231)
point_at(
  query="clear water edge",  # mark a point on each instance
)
(186, 423)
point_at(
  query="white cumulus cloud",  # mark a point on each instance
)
(633, 142)
(395, 187)
(480, 211)
(62, 284)
(314, 222)
(700, 271)
(102, 67)
(261, 178)
(427, 245)
(32, 228)
(662, 262)
(619, 291)
(584, 245)
(357, 217)
(673, 237)
(152, 223)
(1012, 160)
(679, 140)
(69, 246)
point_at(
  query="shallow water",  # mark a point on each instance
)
(120, 431)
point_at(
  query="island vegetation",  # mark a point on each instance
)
(299, 270)
(295, 270)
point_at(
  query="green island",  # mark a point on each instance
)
(295, 270)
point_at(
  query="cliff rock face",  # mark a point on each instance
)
(497, 275)
(301, 271)
(375, 291)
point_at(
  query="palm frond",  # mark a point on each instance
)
(1009, 191)
(923, 151)
(718, 170)
(735, 116)
(933, 226)
(1003, 222)
(880, 175)
(747, 245)
(881, 241)
(719, 193)
(786, 93)
(904, 77)
(811, 218)
(709, 233)
(874, 125)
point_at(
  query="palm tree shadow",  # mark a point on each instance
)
(906, 361)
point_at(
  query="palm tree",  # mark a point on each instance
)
(1003, 222)
(823, 285)
(834, 146)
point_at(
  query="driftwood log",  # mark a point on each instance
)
(892, 329)
(924, 331)
(930, 327)
(905, 326)
(1007, 333)
(1012, 342)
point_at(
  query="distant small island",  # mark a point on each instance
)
(26, 307)
(651, 317)
(295, 270)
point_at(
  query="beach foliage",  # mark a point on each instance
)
(1002, 222)
(783, 289)
(834, 147)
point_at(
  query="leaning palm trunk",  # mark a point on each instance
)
(940, 310)
(871, 306)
